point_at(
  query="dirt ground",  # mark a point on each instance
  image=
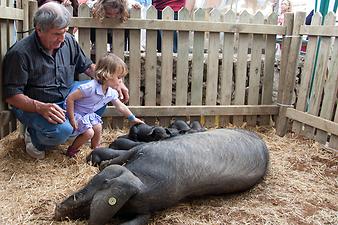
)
(301, 186)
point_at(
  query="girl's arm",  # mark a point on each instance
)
(77, 94)
(123, 109)
(133, 4)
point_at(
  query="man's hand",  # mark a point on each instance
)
(123, 93)
(90, 71)
(51, 112)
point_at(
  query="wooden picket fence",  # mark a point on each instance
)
(223, 71)
(207, 88)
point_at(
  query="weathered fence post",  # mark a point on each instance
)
(226, 79)
(212, 67)
(25, 22)
(32, 8)
(182, 63)
(244, 40)
(166, 65)
(255, 68)
(134, 61)
(288, 69)
(269, 64)
(3, 49)
(197, 63)
(150, 65)
(84, 37)
(286, 42)
(304, 87)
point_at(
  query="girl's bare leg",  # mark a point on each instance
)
(82, 138)
(96, 140)
(79, 141)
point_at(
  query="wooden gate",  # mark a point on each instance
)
(316, 114)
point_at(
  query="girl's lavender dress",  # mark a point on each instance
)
(93, 99)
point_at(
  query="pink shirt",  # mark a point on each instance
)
(174, 4)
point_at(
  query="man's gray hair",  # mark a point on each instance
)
(52, 15)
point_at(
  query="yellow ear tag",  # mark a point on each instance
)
(112, 201)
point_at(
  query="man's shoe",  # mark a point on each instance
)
(34, 152)
(27, 137)
(30, 148)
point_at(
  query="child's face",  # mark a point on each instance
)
(285, 6)
(115, 81)
(111, 12)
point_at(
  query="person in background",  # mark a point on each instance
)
(38, 74)
(117, 9)
(73, 3)
(89, 97)
(308, 18)
(285, 7)
(176, 5)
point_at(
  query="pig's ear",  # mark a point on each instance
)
(151, 131)
(108, 201)
(133, 131)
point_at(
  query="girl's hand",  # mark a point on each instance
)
(66, 2)
(74, 124)
(136, 5)
(136, 121)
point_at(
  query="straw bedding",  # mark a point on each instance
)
(300, 187)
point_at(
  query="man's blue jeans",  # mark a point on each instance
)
(45, 135)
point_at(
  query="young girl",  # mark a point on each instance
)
(284, 8)
(89, 97)
(117, 9)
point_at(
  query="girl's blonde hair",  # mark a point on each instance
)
(100, 7)
(108, 66)
(288, 4)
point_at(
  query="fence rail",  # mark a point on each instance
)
(8, 13)
(319, 30)
(151, 111)
(155, 24)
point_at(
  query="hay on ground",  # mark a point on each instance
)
(300, 186)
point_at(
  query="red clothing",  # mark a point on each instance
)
(74, 3)
(174, 4)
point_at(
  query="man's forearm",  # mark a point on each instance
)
(23, 102)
